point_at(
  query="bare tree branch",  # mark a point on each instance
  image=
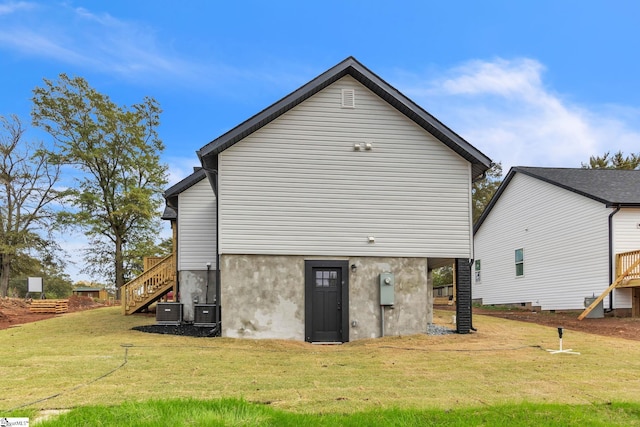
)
(28, 196)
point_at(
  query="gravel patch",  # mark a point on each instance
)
(439, 330)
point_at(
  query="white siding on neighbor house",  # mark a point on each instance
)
(626, 237)
(565, 241)
(197, 227)
(297, 186)
(626, 230)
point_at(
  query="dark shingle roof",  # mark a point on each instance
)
(612, 187)
(609, 186)
(350, 66)
(169, 213)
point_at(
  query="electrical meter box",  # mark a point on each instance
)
(387, 288)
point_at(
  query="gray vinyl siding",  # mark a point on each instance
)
(197, 227)
(297, 187)
(565, 241)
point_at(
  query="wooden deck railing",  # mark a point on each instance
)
(625, 260)
(149, 286)
(627, 269)
(150, 261)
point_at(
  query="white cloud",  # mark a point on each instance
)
(33, 43)
(15, 6)
(98, 42)
(181, 167)
(131, 50)
(504, 109)
(519, 78)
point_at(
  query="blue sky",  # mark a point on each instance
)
(531, 83)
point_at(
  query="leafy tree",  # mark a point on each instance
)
(484, 189)
(138, 247)
(117, 150)
(443, 276)
(165, 247)
(27, 196)
(146, 247)
(617, 161)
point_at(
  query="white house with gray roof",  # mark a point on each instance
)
(326, 213)
(550, 236)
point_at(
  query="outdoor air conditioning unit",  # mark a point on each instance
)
(169, 313)
(205, 315)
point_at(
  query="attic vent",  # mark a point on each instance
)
(348, 98)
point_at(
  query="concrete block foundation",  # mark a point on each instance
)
(263, 296)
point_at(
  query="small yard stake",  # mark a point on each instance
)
(568, 351)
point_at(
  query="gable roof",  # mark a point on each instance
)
(612, 187)
(350, 66)
(171, 194)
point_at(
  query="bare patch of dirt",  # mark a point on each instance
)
(620, 327)
(15, 311)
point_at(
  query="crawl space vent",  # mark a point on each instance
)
(348, 98)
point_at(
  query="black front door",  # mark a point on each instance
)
(326, 301)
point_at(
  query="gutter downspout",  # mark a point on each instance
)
(611, 253)
(471, 295)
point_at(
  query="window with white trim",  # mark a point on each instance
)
(519, 262)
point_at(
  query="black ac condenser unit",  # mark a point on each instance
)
(169, 313)
(204, 315)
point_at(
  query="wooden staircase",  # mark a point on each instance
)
(155, 282)
(628, 269)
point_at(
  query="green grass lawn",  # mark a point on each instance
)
(94, 360)
(226, 412)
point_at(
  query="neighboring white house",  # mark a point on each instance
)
(333, 206)
(549, 237)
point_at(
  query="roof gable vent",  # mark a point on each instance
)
(348, 98)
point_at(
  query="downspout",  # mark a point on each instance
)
(471, 295)
(611, 253)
